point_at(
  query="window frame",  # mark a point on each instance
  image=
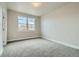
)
(27, 25)
(32, 24)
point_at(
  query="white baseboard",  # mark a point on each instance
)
(65, 44)
(1, 51)
(23, 39)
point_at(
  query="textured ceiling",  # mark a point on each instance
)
(26, 7)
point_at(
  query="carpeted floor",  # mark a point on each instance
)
(38, 48)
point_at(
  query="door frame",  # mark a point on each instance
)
(1, 33)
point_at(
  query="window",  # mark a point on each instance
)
(26, 23)
(31, 23)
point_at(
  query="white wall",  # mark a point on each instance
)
(62, 25)
(13, 33)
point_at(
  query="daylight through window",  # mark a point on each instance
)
(26, 23)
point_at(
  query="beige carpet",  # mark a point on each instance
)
(38, 48)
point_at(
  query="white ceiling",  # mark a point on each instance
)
(26, 7)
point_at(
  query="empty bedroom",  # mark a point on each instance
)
(39, 29)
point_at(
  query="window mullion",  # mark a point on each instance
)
(27, 23)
